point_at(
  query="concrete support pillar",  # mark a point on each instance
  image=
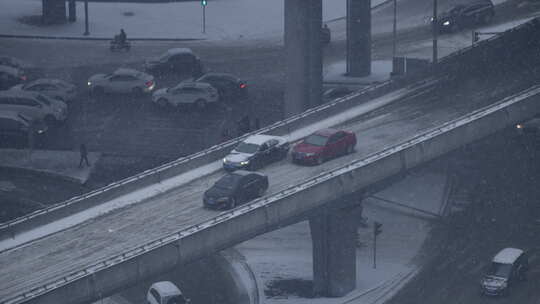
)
(54, 11)
(72, 11)
(358, 38)
(334, 234)
(303, 55)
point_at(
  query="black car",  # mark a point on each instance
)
(10, 76)
(18, 126)
(177, 60)
(466, 15)
(234, 189)
(229, 86)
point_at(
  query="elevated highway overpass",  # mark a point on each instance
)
(100, 256)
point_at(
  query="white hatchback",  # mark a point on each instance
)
(199, 94)
(122, 81)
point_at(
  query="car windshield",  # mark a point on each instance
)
(247, 148)
(43, 99)
(227, 182)
(316, 140)
(500, 270)
(164, 57)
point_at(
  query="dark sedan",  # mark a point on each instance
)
(323, 145)
(229, 86)
(235, 189)
(466, 15)
(10, 76)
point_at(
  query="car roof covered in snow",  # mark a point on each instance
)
(126, 71)
(166, 288)
(259, 139)
(507, 255)
(47, 81)
(326, 132)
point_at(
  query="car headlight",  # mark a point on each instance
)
(446, 23)
(431, 19)
(89, 83)
(519, 126)
(244, 163)
(225, 160)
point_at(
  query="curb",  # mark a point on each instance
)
(95, 38)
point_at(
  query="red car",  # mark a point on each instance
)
(322, 145)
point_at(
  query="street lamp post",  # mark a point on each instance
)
(435, 32)
(86, 32)
(394, 30)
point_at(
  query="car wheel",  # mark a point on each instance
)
(98, 91)
(137, 91)
(162, 102)
(200, 104)
(232, 203)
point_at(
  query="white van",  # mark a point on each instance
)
(165, 292)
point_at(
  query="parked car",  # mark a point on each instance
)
(323, 145)
(52, 110)
(165, 292)
(54, 88)
(234, 189)
(177, 60)
(255, 152)
(10, 76)
(229, 86)
(475, 12)
(15, 124)
(121, 81)
(507, 267)
(199, 94)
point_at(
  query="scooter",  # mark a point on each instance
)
(116, 45)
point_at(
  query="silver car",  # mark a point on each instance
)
(122, 81)
(50, 109)
(54, 88)
(199, 94)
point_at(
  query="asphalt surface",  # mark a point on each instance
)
(45, 259)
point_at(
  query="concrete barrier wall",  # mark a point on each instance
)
(269, 213)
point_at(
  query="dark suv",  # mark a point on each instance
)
(177, 60)
(507, 267)
(466, 15)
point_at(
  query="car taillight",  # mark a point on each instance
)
(243, 86)
(23, 78)
(149, 83)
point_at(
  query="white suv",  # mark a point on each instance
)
(52, 110)
(199, 94)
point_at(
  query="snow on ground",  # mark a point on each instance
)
(232, 19)
(287, 253)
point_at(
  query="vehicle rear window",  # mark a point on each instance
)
(316, 140)
(156, 295)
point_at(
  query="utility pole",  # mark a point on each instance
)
(86, 32)
(435, 25)
(376, 231)
(394, 30)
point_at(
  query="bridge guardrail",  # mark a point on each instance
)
(11, 229)
(394, 153)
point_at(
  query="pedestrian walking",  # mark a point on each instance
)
(84, 156)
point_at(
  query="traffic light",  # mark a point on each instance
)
(204, 3)
(377, 228)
